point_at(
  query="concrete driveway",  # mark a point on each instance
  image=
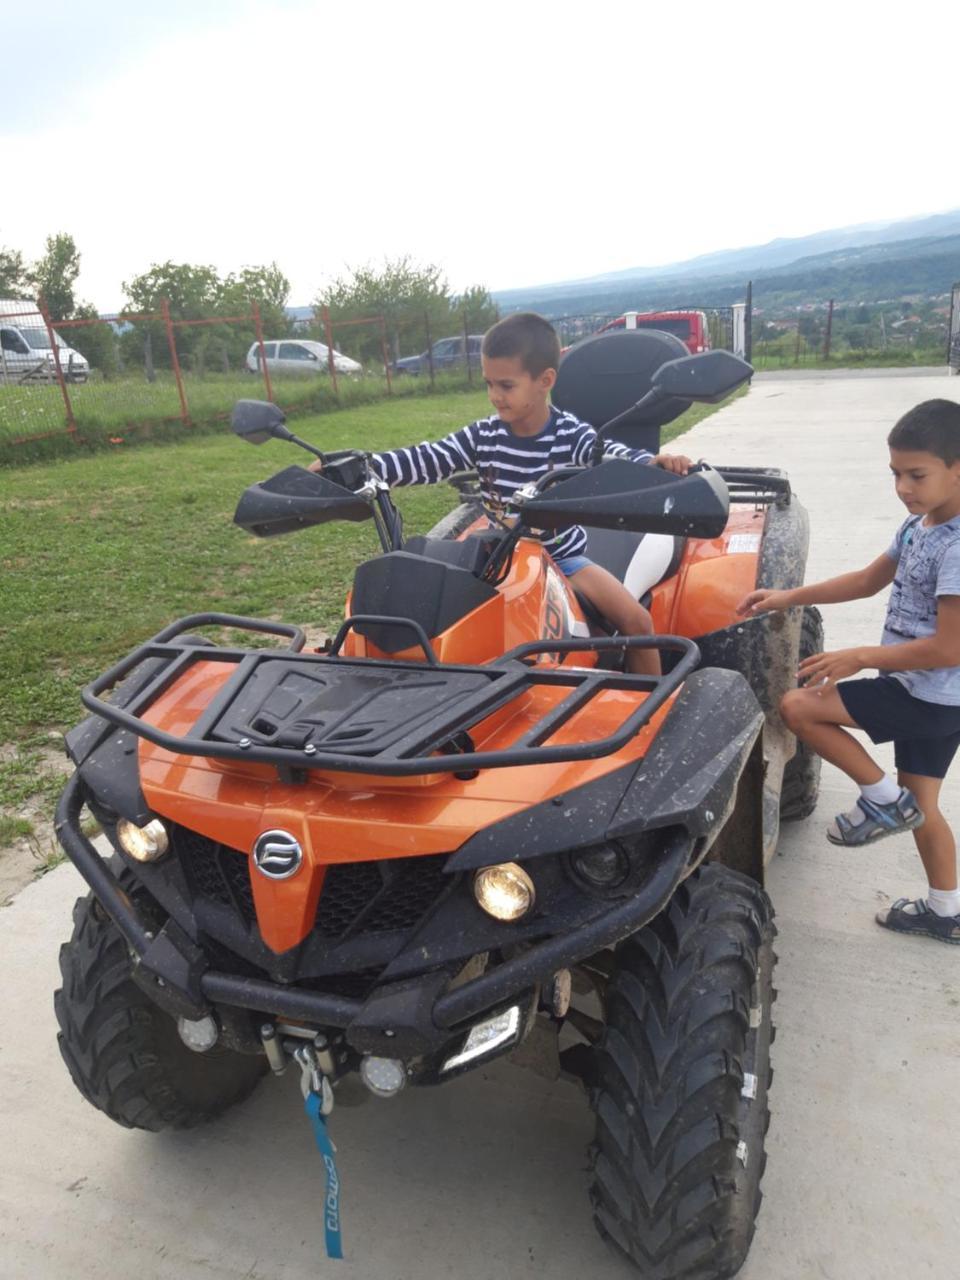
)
(486, 1177)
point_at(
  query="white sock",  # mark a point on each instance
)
(944, 902)
(883, 792)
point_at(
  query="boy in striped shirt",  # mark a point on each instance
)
(525, 438)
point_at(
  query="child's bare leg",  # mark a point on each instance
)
(616, 604)
(816, 718)
(935, 842)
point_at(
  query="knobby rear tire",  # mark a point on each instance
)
(125, 1054)
(801, 777)
(683, 1074)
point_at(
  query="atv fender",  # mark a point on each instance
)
(688, 779)
(106, 758)
(765, 650)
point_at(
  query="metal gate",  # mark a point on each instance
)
(953, 341)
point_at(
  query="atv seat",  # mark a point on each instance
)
(639, 560)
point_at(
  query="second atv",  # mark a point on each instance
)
(462, 825)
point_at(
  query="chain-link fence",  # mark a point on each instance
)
(99, 375)
(108, 379)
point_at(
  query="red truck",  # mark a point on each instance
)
(689, 326)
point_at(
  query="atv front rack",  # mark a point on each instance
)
(300, 711)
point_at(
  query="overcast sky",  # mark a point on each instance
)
(511, 143)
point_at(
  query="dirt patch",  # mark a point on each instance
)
(26, 857)
(23, 861)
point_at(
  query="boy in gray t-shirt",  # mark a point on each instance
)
(915, 701)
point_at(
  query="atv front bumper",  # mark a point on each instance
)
(414, 1016)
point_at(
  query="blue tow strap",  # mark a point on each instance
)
(331, 1199)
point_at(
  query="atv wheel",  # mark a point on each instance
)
(684, 1069)
(801, 777)
(125, 1054)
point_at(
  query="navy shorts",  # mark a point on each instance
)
(925, 735)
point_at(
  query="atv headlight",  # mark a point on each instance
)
(602, 866)
(505, 891)
(145, 844)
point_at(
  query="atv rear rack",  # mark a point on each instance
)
(300, 711)
(761, 486)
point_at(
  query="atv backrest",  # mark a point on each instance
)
(604, 375)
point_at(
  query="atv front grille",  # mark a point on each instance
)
(215, 871)
(357, 897)
(379, 897)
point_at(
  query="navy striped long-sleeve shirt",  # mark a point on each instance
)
(504, 462)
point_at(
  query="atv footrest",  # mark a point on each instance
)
(302, 711)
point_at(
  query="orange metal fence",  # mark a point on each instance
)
(113, 376)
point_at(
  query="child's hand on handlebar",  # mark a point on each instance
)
(675, 462)
(316, 465)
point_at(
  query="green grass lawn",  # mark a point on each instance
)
(129, 410)
(99, 552)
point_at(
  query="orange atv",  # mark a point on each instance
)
(463, 825)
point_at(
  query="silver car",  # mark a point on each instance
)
(299, 356)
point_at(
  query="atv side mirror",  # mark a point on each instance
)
(707, 378)
(258, 421)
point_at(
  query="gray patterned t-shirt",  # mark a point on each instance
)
(928, 566)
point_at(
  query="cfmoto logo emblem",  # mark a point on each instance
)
(277, 854)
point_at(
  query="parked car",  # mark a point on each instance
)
(447, 354)
(689, 326)
(25, 351)
(299, 356)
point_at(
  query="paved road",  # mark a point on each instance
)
(844, 375)
(485, 1178)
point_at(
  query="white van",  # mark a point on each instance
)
(25, 352)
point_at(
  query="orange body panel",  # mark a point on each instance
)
(350, 817)
(533, 601)
(714, 574)
(354, 817)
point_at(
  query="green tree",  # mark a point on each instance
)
(14, 281)
(192, 292)
(266, 286)
(858, 337)
(98, 342)
(269, 288)
(479, 308)
(54, 276)
(412, 299)
(198, 293)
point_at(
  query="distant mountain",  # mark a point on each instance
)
(827, 249)
(300, 315)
